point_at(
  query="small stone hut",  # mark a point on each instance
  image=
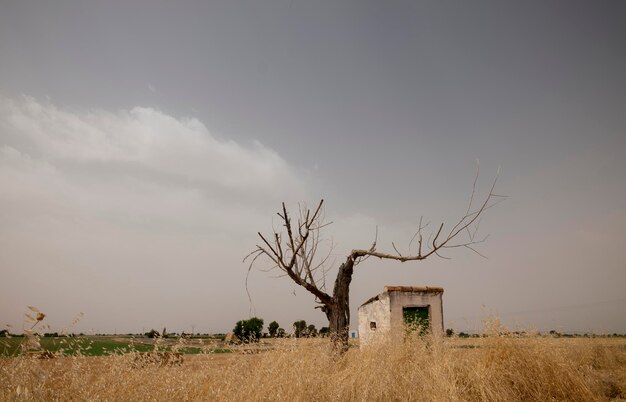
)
(400, 305)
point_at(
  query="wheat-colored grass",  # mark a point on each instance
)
(492, 368)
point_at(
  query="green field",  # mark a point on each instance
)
(94, 346)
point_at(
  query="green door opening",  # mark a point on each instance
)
(416, 319)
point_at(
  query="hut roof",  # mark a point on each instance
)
(414, 289)
(420, 289)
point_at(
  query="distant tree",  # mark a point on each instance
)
(300, 328)
(323, 332)
(272, 328)
(254, 328)
(281, 333)
(4, 333)
(311, 331)
(151, 334)
(239, 328)
(449, 332)
(249, 330)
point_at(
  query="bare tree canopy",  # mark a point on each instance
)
(293, 250)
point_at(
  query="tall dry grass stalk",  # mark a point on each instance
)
(493, 368)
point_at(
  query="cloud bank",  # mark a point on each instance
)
(140, 162)
(126, 202)
(144, 138)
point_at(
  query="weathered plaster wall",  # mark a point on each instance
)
(378, 311)
(398, 300)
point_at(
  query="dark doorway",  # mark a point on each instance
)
(417, 318)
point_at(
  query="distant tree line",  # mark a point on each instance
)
(302, 330)
(249, 330)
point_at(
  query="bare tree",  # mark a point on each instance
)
(294, 249)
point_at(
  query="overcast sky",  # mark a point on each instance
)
(144, 143)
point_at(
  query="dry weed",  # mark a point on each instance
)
(491, 368)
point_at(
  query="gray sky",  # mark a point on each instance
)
(143, 144)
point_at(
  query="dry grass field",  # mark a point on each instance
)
(493, 368)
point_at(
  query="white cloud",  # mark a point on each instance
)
(140, 163)
(149, 139)
(111, 202)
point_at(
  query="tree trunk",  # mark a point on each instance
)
(338, 311)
